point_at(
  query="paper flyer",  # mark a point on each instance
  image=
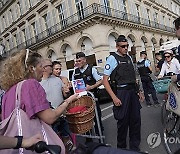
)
(79, 87)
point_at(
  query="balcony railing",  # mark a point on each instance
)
(94, 9)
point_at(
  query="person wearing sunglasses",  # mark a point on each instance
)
(124, 93)
(171, 65)
(160, 62)
(145, 69)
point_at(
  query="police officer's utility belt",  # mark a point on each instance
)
(126, 87)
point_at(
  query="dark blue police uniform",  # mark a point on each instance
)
(146, 80)
(122, 76)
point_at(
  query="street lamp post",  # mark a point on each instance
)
(2, 50)
(64, 54)
(82, 47)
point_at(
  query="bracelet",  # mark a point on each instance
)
(19, 142)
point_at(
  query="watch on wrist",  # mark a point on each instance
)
(19, 142)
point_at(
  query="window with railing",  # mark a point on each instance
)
(33, 2)
(39, 28)
(2, 23)
(22, 6)
(23, 36)
(155, 18)
(138, 12)
(19, 37)
(7, 44)
(15, 40)
(80, 9)
(45, 18)
(17, 12)
(20, 9)
(28, 34)
(10, 16)
(148, 16)
(105, 7)
(11, 42)
(26, 5)
(33, 28)
(62, 14)
(120, 8)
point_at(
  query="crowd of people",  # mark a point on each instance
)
(46, 94)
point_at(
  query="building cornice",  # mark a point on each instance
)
(96, 19)
(147, 3)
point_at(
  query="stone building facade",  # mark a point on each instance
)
(58, 29)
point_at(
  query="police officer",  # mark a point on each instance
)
(145, 70)
(91, 78)
(126, 109)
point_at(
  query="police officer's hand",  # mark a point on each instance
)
(117, 101)
(88, 87)
(141, 96)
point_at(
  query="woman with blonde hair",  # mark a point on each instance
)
(26, 65)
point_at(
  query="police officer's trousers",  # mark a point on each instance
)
(128, 116)
(149, 89)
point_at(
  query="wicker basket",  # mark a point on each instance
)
(81, 122)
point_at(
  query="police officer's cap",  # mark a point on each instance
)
(79, 55)
(121, 38)
(143, 52)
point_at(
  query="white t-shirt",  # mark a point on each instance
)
(174, 67)
(53, 88)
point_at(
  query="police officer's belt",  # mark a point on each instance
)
(127, 87)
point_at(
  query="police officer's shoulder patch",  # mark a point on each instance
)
(107, 66)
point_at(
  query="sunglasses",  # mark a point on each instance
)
(123, 46)
(78, 61)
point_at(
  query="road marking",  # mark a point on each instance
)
(106, 117)
(106, 108)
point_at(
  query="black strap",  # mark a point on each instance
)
(19, 142)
